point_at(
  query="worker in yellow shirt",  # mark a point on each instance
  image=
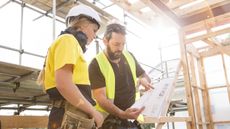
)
(66, 73)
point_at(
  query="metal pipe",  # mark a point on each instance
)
(54, 19)
(37, 11)
(24, 108)
(21, 51)
(9, 48)
(5, 4)
(21, 32)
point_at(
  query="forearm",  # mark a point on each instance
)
(105, 103)
(72, 94)
(110, 107)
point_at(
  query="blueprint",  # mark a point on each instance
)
(156, 100)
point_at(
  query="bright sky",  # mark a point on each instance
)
(37, 36)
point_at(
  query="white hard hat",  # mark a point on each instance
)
(84, 10)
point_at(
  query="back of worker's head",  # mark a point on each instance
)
(114, 27)
(80, 15)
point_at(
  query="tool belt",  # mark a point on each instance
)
(113, 122)
(58, 103)
(76, 119)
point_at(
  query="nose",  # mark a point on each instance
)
(121, 47)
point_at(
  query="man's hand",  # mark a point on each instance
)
(131, 113)
(98, 118)
(145, 83)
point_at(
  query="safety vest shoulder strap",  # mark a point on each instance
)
(108, 73)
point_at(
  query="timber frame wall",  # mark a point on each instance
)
(194, 69)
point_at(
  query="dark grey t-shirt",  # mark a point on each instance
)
(124, 84)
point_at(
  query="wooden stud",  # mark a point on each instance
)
(187, 79)
(205, 94)
(195, 91)
(226, 77)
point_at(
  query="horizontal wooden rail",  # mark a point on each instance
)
(23, 122)
(166, 119)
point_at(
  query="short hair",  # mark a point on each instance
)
(117, 28)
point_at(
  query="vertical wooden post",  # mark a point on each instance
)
(196, 94)
(205, 94)
(187, 78)
(226, 77)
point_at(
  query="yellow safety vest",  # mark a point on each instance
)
(109, 76)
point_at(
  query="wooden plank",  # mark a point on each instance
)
(166, 107)
(23, 121)
(226, 77)
(216, 87)
(163, 11)
(197, 87)
(217, 46)
(213, 51)
(205, 36)
(200, 7)
(222, 122)
(166, 119)
(205, 93)
(212, 22)
(217, 11)
(192, 50)
(195, 91)
(177, 3)
(187, 83)
(134, 9)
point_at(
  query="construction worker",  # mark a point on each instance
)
(66, 73)
(113, 76)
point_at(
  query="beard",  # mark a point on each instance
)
(113, 55)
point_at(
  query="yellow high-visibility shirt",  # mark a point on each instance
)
(66, 50)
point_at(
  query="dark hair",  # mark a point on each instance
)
(117, 28)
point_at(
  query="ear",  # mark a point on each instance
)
(105, 41)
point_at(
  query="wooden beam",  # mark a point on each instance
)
(205, 93)
(216, 87)
(213, 51)
(191, 49)
(166, 119)
(188, 87)
(197, 87)
(217, 46)
(23, 121)
(202, 25)
(195, 91)
(134, 9)
(220, 10)
(167, 101)
(222, 122)
(226, 77)
(164, 11)
(211, 34)
(177, 3)
(199, 8)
